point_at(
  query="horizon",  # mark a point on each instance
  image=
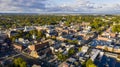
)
(60, 13)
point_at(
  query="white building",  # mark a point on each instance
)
(84, 49)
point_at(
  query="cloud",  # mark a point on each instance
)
(22, 5)
(81, 6)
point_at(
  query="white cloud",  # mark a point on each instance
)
(51, 6)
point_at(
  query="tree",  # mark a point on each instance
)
(33, 32)
(72, 41)
(28, 35)
(84, 64)
(19, 62)
(40, 34)
(79, 49)
(90, 63)
(62, 57)
(71, 51)
(12, 38)
(116, 28)
(23, 64)
(67, 23)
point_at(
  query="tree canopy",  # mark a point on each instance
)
(116, 28)
(19, 62)
(90, 63)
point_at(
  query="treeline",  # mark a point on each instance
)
(116, 27)
(11, 21)
(8, 21)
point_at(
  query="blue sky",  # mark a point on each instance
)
(44, 6)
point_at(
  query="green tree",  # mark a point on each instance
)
(62, 57)
(67, 23)
(72, 41)
(40, 34)
(33, 32)
(19, 62)
(79, 49)
(90, 63)
(23, 64)
(71, 51)
(116, 28)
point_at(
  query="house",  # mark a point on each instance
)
(52, 33)
(42, 53)
(65, 65)
(39, 28)
(39, 45)
(103, 38)
(69, 63)
(28, 28)
(34, 54)
(84, 49)
(59, 29)
(36, 65)
(85, 24)
(86, 29)
(22, 41)
(113, 35)
(69, 47)
(71, 60)
(86, 36)
(56, 47)
(100, 47)
(108, 33)
(117, 49)
(94, 54)
(111, 48)
(80, 42)
(61, 38)
(12, 33)
(18, 46)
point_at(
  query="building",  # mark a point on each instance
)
(38, 46)
(36, 65)
(28, 28)
(18, 46)
(12, 33)
(94, 54)
(84, 49)
(65, 65)
(40, 53)
(103, 38)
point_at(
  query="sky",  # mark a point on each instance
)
(60, 6)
